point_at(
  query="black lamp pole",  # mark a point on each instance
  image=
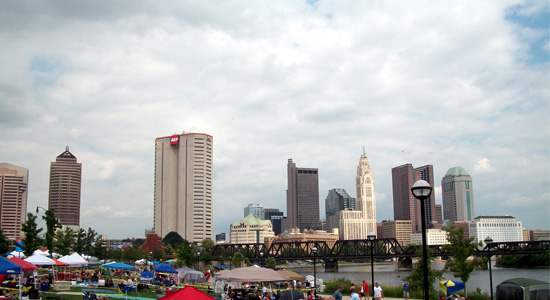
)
(489, 242)
(372, 237)
(314, 250)
(261, 259)
(422, 190)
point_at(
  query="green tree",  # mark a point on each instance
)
(31, 231)
(271, 263)
(185, 254)
(80, 238)
(238, 260)
(5, 244)
(64, 240)
(132, 254)
(138, 242)
(416, 278)
(52, 224)
(89, 241)
(173, 238)
(99, 248)
(462, 248)
(158, 255)
(206, 251)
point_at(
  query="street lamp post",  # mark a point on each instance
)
(150, 263)
(314, 250)
(230, 262)
(261, 259)
(489, 242)
(198, 260)
(372, 237)
(422, 190)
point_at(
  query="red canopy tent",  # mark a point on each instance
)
(188, 292)
(27, 266)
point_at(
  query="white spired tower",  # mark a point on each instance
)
(366, 202)
(357, 224)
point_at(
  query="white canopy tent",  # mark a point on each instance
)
(40, 260)
(74, 260)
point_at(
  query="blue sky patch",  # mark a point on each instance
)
(538, 20)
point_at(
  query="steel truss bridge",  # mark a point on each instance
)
(362, 249)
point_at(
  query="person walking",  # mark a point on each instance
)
(378, 293)
(354, 295)
(338, 293)
(406, 290)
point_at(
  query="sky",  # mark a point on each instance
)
(423, 82)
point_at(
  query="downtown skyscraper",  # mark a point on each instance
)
(13, 199)
(65, 188)
(183, 186)
(302, 197)
(405, 205)
(458, 195)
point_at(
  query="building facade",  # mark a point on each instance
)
(405, 206)
(458, 195)
(356, 225)
(254, 209)
(251, 229)
(434, 236)
(399, 230)
(65, 189)
(183, 186)
(302, 197)
(499, 228)
(14, 182)
(275, 216)
(337, 200)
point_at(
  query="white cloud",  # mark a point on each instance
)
(422, 83)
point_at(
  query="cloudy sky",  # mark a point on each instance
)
(423, 82)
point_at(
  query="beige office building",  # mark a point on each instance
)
(65, 185)
(251, 229)
(400, 230)
(183, 186)
(13, 199)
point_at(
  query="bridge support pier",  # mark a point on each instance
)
(331, 265)
(404, 263)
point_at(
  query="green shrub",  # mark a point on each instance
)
(332, 286)
(478, 295)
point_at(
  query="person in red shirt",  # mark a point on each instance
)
(364, 290)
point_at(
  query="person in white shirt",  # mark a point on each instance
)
(378, 293)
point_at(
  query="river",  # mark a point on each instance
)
(388, 275)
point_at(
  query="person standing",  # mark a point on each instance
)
(354, 295)
(378, 293)
(364, 291)
(338, 293)
(406, 290)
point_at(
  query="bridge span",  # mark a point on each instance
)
(362, 249)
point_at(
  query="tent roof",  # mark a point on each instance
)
(252, 274)
(27, 266)
(290, 274)
(165, 268)
(116, 265)
(8, 267)
(188, 292)
(40, 260)
(74, 260)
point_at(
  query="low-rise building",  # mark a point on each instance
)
(251, 229)
(499, 228)
(433, 237)
(400, 230)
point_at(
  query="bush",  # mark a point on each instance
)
(332, 286)
(478, 295)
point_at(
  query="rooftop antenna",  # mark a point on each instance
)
(364, 150)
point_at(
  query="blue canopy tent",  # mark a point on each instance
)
(9, 268)
(165, 268)
(219, 267)
(146, 276)
(450, 286)
(117, 265)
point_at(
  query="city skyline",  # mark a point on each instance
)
(420, 83)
